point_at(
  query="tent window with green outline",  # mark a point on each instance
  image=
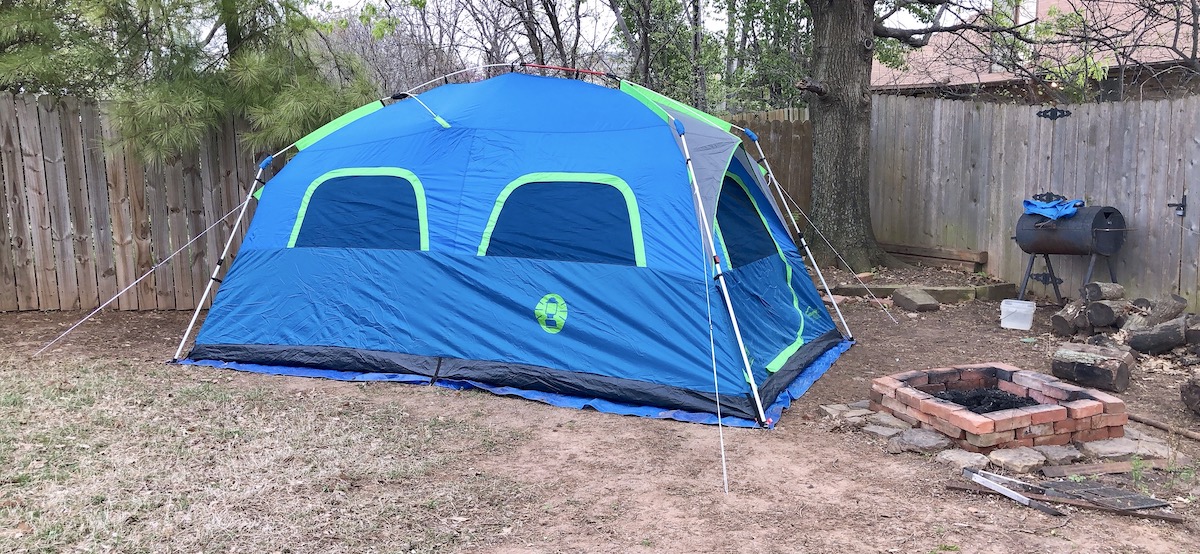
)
(383, 209)
(745, 236)
(568, 220)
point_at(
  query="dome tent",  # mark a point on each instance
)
(529, 235)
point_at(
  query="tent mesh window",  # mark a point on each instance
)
(362, 211)
(569, 221)
(742, 229)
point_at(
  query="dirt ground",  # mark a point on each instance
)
(103, 448)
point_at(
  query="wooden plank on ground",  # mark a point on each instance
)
(34, 167)
(960, 254)
(160, 238)
(95, 173)
(17, 276)
(1102, 468)
(1073, 502)
(79, 202)
(143, 242)
(58, 196)
(181, 268)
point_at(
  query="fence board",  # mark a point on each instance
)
(1189, 273)
(36, 186)
(94, 174)
(197, 253)
(59, 200)
(119, 199)
(16, 209)
(210, 211)
(139, 215)
(160, 238)
(79, 206)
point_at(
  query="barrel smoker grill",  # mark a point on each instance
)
(1093, 231)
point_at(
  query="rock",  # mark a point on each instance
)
(888, 420)
(914, 300)
(922, 441)
(1059, 455)
(834, 411)
(951, 295)
(1134, 434)
(961, 458)
(881, 431)
(1152, 450)
(860, 405)
(848, 414)
(1018, 460)
(855, 421)
(1189, 392)
(1110, 450)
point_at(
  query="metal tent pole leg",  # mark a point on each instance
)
(220, 261)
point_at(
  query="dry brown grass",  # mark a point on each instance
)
(140, 457)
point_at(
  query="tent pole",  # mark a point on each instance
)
(762, 156)
(720, 276)
(224, 252)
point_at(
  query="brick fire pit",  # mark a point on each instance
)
(1064, 414)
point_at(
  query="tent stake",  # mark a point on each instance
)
(719, 275)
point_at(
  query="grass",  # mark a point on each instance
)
(98, 456)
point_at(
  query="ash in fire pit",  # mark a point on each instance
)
(982, 401)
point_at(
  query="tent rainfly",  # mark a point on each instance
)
(549, 238)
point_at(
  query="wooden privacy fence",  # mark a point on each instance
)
(79, 222)
(953, 174)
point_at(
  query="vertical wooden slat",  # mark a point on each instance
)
(117, 183)
(180, 267)
(160, 238)
(95, 174)
(79, 203)
(143, 246)
(1189, 176)
(16, 206)
(58, 197)
(197, 254)
(211, 210)
(39, 204)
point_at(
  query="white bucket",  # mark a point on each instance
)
(1016, 314)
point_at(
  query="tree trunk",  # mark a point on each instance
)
(699, 75)
(839, 97)
(228, 13)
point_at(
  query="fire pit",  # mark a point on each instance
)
(1063, 413)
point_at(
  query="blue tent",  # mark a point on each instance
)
(535, 236)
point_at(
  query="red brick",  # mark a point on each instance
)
(937, 407)
(1116, 432)
(892, 405)
(1041, 398)
(1011, 387)
(1031, 379)
(963, 444)
(990, 382)
(971, 422)
(921, 378)
(907, 418)
(1007, 420)
(990, 439)
(875, 406)
(1083, 408)
(911, 397)
(1056, 391)
(1045, 413)
(964, 385)
(1077, 392)
(918, 415)
(1090, 435)
(943, 375)
(1112, 420)
(946, 428)
(1004, 366)
(1059, 439)
(1017, 443)
(885, 385)
(931, 387)
(1112, 404)
(976, 371)
(1070, 425)
(1032, 431)
(906, 375)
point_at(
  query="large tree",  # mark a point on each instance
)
(839, 98)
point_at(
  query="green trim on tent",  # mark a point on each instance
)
(629, 88)
(777, 362)
(644, 94)
(721, 242)
(635, 215)
(418, 189)
(342, 121)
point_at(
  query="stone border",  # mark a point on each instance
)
(1065, 413)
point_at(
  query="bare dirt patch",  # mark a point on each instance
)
(105, 448)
